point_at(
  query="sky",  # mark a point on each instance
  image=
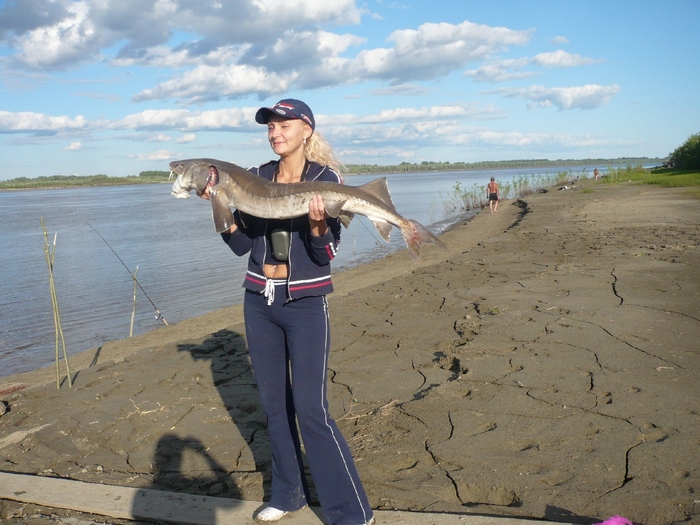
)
(118, 87)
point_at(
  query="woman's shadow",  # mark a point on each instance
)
(233, 378)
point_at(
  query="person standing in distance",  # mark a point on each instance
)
(288, 329)
(493, 195)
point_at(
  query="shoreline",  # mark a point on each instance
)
(531, 370)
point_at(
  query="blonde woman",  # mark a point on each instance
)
(287, 326)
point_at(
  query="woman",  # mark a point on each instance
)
(287, 326)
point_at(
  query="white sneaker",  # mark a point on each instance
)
(270, 514)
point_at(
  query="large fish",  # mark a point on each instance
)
(249, 193)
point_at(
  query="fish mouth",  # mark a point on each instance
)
(178, 191)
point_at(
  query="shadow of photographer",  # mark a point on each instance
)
(168, 502)
(188, 464)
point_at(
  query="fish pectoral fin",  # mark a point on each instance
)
(333, 208)
(221, 213)
(383, 227)
(345, 218)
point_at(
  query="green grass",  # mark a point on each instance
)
(664, 177)
(674, 178)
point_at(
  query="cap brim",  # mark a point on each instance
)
(263, 115)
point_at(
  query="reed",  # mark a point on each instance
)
(462, 199)
(133, 310)
(50, 256)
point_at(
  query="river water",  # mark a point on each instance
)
(183, 266)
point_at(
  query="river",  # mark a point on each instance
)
(183, 266)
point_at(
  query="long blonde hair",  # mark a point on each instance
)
(319, 150)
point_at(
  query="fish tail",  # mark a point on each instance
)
(415, 235)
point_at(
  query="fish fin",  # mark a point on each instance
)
(334, 208)
(415, 235)
(383, 227)
(221, 212)
(345, 218)
(379, 188)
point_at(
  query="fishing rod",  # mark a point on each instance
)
(159, 316)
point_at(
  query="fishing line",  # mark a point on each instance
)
(159, 316)
(377, 242)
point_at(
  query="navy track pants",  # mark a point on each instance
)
(289, 344)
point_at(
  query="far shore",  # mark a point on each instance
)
(351, 170)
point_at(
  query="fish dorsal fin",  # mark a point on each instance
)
(379, 188)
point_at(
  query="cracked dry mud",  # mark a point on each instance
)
(545, 366)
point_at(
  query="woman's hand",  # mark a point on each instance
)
(317, 216)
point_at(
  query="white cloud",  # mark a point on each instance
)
(435, 49)
(74, 146)
(314, 59)
(152, 119)
(559, 41)
(253, 58)
(442, 113)
(67, 32)
(561, 58)
(71, 39)
(589, 96)
(164, 56)
(27, 121)
(184, 120)
(206, 83)
(512, 69)
(158, 137)
(161, 154)
(186, 138)
(501, 71)
(399, 90)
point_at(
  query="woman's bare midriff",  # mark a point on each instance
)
(276, 271)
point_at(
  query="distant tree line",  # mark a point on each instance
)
(70, 181)
(407, 167)
(151, 177)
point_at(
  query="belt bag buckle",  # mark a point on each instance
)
(279, 240)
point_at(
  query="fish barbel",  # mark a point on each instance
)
(238, 188)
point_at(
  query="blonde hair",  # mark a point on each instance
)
(319, 150)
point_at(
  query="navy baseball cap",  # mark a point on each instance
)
(288, 108)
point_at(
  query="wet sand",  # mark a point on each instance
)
(545, 366)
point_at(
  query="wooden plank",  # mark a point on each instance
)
(122, 502)
(148, 504)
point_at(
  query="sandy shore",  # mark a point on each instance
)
(545, 365)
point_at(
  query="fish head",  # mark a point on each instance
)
(191, 174)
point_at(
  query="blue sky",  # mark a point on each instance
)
(120, 87)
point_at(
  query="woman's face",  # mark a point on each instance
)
(287, 136)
